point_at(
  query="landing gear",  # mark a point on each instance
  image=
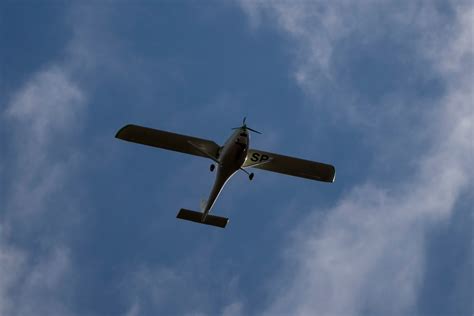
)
(212, 167)
(249, 174)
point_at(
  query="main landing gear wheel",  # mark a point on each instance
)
(251, 176)
(212, 167)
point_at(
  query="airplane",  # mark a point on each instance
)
(233, 156)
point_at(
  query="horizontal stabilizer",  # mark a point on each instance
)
(197, 217)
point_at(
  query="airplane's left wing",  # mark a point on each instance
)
(171, 141)
(290, 165)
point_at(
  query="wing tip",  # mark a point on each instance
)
(331, 176)
(122, 130)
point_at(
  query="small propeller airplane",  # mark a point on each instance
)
(234, 155)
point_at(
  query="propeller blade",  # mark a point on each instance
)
(251, 129)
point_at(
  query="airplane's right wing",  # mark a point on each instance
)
(289, 165)
(171, 141)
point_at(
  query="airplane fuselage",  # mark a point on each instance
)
(231, 158)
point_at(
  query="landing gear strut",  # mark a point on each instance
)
(249, 174)
(212, 167)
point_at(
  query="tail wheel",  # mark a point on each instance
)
(251, 176)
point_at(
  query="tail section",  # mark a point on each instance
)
(199, 217)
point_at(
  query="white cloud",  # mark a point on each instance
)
(315, 27)
(233, 309)
(11, 262)
(190, 287)
(44, 285)
(32, 288)
(158, 288)
(366, 255)
(41, 116)
(44, 117)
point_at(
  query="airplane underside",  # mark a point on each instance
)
(234, 155)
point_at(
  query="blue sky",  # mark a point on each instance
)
(380, 89)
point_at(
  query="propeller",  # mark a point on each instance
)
(245, 127)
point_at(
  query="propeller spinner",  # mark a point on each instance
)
(245, 127)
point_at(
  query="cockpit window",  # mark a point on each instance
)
(243, 134)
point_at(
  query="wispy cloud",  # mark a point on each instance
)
(366, 255)
(44, 116)
(188, 288)
(11, 262)
(40, 116)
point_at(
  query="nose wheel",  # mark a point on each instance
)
(212, 167)
(249, 174)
